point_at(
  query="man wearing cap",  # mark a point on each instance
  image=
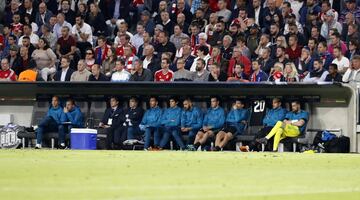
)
(6, 74)
(148, 22)
(330, 23)
(351, 7)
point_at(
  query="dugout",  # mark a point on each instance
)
(331, 106)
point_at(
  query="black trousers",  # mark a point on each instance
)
(115, 137)
(255, 146)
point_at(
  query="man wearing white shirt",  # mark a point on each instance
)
(34, 39)
(83, 33)
(318, 74)
(138, 39)
(352, 73)
(121, 75)
(340, 60)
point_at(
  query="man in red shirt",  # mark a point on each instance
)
(1, 42)
(164, 74)
(6, 74)
(66, 44)
(238, 58)
(293, 52)
(124, 41)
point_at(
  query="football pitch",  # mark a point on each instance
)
(139, 175)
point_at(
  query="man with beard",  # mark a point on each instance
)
(318, 74)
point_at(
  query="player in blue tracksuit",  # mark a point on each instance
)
(191, 120)
(213, 122)
(73, 118)
(150, 124)
(277, 113)
(235, 123)
(52, 122)
(170, 120)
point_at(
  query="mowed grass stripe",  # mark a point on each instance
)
(70, 174)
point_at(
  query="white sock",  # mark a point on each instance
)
(38, 145)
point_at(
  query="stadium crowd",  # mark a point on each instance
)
(180, 40)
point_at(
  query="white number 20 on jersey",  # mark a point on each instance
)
(259, 106)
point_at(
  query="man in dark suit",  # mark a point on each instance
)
(43, 16)
(115, 9)
(113, 121)
(64, 74)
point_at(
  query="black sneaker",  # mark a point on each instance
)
(262, 140)
(62, 147)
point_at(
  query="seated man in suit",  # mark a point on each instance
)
(64, 74)
(113, 120)
(133, 119)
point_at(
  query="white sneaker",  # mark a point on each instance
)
(38, 146)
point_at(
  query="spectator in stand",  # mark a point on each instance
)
(83, 34)
(129, 58)
(223, 11)
(114, 10)
(138, 39)
(82, 74)
(318, 74)
(120, 75)
(64, 74)
(124, 40)
(201, 74)
(333, 75)
(89, 58)
(122, 30)
(182, 74)
(108, 65)
(324, 54)
(290, 73)
(238, 58)
(336, 42)
(202, 38)
(304, 64)
(15, 60)
(10, 40)
(354, 49)
(66, 44)
(268, 14)
(150, 124)
(150, 61)
(213, 122)
(238, 75)
(165, 46)
(60, 23)
(148, 22)
(182, 8)
(280, 55)
(25, 60)
(31, 74)
(96, 74)
(147, 41)
(330, 23)
(49, 36)
(293, 52)
(67, 11)
(34, 38)
(26, 43)
(203, 54)
(102, 50)
(186, 55)
(178, 36)
(216, 75)
(263, 43)
(218, 34)
(12, 9)
(43, 16)
(45, 59)
(340, 60)
(277, 74)
(352, 8)
(315, 33)
(96, 20)
(352, 74)
(165, 74)
(6, 74)
(167, 23)
(258, 75)
(141, 74)
(266, 61)
(16, 25)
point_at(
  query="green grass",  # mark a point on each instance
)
(130, 175)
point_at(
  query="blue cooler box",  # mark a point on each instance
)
(83, 138)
